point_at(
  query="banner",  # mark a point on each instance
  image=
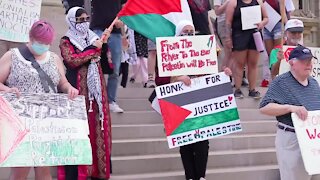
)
(202, 111)
(43, 130)
(308, 134)
(17, 17)
(187, 55)
(285, 66)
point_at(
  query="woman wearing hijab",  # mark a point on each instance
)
(194, 156)
(81, 50)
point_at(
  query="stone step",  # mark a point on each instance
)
(152, 117)
(261, 172)
(149, 146)
(136, 131)
(172, 162)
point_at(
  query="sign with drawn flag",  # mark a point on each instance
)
(204, 110)
(43, 130)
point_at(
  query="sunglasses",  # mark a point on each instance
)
(82, 19)
(186, 34)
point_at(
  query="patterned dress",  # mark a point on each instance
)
(77, 63)
(26, 78)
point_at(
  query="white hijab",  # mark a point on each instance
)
(77, 38)
(181, 25)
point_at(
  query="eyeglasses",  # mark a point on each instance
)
(80, 19)
(187, 34)
(83, 19)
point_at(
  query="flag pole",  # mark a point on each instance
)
(109, 29)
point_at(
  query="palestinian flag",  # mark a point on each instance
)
(155, 18)
(202, 111)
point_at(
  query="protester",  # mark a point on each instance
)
(272, 38)
(20, 75)
(293, 36)
(81, 50)
(103, 14)
(243, 45)
(140, 67)
(292, 92)
(125, 59)
(194, 156)
(199, 10)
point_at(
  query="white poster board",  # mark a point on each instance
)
(250, 16)
(308, 134)
(187, 55)
(16, 19)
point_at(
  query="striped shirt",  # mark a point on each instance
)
(285, 89)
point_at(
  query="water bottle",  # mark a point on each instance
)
(258, 41)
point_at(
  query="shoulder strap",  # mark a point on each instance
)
(46, 81)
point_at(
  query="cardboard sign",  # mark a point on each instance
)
(17, 17)
(202, 111)
(308, 134)
(43, 130)
(285, 66)
(187, 55)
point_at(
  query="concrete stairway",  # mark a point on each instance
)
(140, 150)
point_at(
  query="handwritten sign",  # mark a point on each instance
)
(202, 111)
(308, 134)
(250, 16)
(285, 66)
(43, 130)
(17, 17)
(187, 55)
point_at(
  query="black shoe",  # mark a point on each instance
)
(132, 80)
(238, 94)
(254, 94)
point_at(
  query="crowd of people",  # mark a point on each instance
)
(96, 45)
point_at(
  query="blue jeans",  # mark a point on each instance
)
(114, 43)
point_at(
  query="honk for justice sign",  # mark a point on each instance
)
(308, 134)
(186, 55)
(204, 110)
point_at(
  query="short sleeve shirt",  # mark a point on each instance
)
(285, 89)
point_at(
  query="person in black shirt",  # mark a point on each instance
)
(199, 11)
(103, 13)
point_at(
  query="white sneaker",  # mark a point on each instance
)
(150, 84)
(202, 178)
(114, 107)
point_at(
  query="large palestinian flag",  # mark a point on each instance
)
(155, 18)
(202, 111)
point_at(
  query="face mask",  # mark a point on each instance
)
(83, 27)
(39, 49)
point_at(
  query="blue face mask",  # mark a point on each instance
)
(39, 49)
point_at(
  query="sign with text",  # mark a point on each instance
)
(43, 130)
(187, 55)
(17, 17)
(285, 67)
(308, 134)
(204, 110)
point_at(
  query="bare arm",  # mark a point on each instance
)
(274, 109)
(229, 18)
(220, 9)
(5, 67)
(63, 85)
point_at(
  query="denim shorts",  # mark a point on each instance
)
(274, 34)
(151, 45)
